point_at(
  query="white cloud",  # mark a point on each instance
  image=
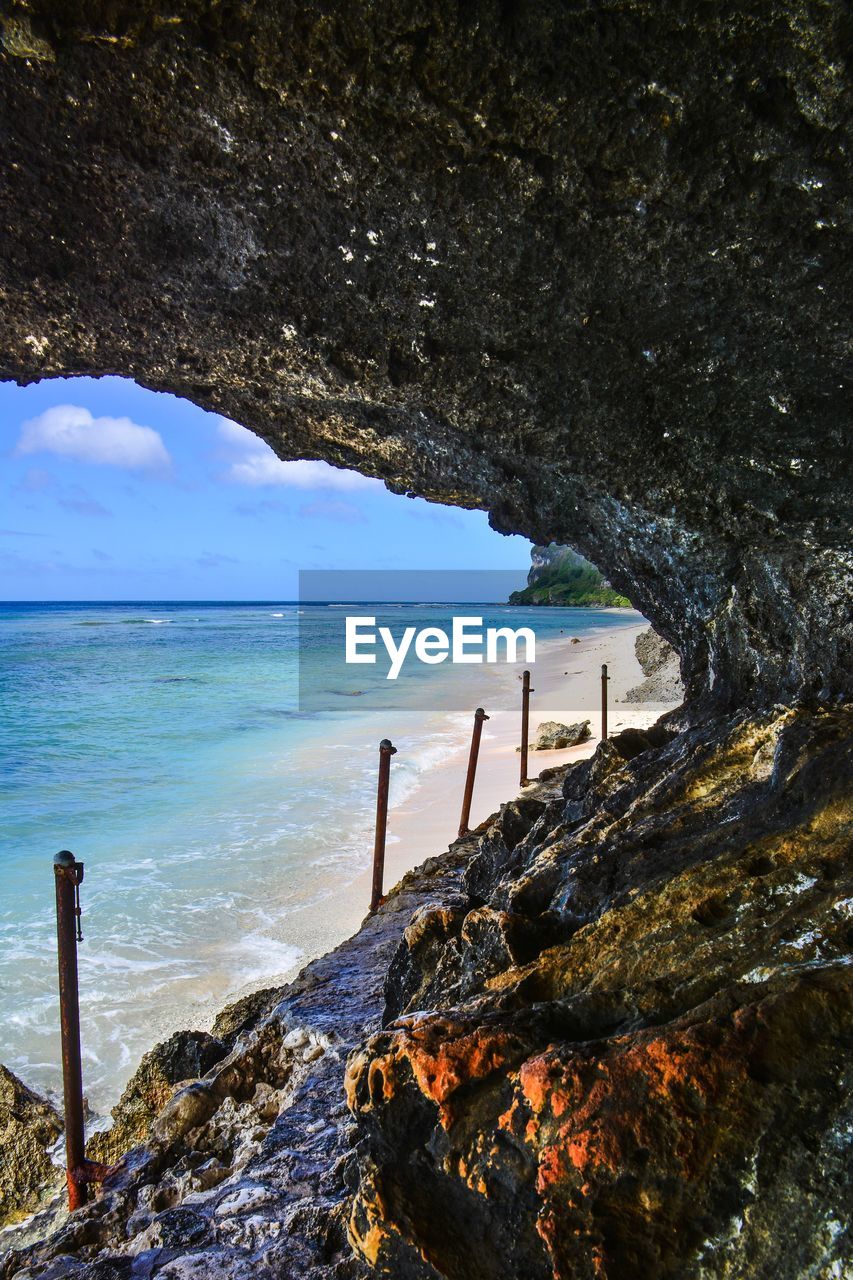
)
(72, 431)
(233, 433)
(256, 465)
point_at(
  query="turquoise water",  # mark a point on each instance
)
(163, 744)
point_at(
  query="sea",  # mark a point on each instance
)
(218, 816)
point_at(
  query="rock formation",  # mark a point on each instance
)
(551, 735)
(185, 1056)
(626, 1052)
(249, 1171)
(661, 666)
(29, 1127)
(581, 266)
(559, 576)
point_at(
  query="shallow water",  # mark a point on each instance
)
(164, 745)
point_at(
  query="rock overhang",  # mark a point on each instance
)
(579, 267)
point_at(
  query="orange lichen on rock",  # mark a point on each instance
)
(369, 1226)
(629, 1132)
(442, 1056)
(630, 1099)
(641, 1093)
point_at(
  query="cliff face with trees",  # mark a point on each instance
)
(559, 576)
(582, 267)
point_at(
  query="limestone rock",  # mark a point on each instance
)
(630, 1059)
(185, 1056)
(615, 1041)
(244, 1013)
(551, 735)
(661, 667)
(248, 1173)
(596, 285)
(29, 1126)
(583, 267)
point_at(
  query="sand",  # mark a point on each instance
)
(567, 687)
(566, 680)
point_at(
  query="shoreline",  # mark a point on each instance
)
(566, 688)
(423, 820)
(423, 825)
(566, 684)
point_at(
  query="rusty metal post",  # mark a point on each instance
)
(68, 874)
(479, 717)
(604, 678)
(386, 751)
(525, 720)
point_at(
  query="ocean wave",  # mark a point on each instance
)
(266, 958)
(139, 622)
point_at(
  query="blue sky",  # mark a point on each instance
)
(112, 492)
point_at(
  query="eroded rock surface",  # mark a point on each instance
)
(661, 666)
(552, 735)
(626, 1051)
(248, 1172)
(29, 1127)
(582, 266)
(607, 1035)
(185, 1056)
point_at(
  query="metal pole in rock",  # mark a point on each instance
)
(479, 717)
(386, 751)
(604, 678)
(68, 874)
(525, 720)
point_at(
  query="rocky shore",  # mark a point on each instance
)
(29, 1127)
(250, 1169)
(608, 1033)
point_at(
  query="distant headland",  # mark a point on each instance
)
(559, 576)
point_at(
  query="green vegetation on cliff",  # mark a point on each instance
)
(559, 576)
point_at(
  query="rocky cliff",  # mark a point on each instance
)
(559, 576)
(582, 266)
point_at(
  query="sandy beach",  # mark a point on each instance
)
(567, 688)
(245, 846)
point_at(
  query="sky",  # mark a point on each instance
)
(112, 492)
